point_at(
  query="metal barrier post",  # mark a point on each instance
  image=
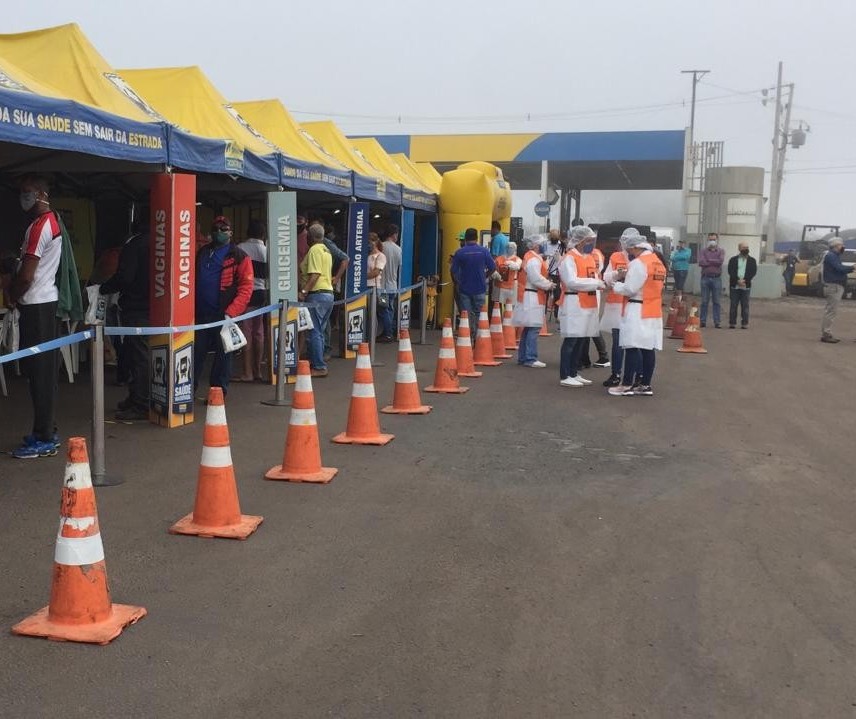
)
(98, 467)
(279, 399)
(424, 312)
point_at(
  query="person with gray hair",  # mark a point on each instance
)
(834, 284)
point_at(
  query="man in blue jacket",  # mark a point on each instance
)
(834, 281)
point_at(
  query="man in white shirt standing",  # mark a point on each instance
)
(35, 294)
(391, 283)
(254, 328)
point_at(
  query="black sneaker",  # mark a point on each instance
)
(829, 339)
(644, 390)
(602, 362)
(731, 327)
(717, 326)
(702, 324)
(612, 381)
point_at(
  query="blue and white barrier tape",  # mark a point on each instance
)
(47, 346)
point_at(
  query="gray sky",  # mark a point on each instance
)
(479, 65)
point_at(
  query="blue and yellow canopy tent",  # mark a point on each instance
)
(414, 195)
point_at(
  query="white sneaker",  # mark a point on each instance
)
(602, 364)
(582, 380)
(621, 391)
(537, 364)
(570, 382)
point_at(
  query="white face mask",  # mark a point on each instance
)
(28, 200)
(711, 243)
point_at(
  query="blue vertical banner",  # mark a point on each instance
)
(358, 249)
(408, 218)
(429, 245)
(282, 246)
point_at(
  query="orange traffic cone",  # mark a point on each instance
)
(301, 459)
(544, 331)
(497, 334)
(446, 376)
(363, 423)
(508, 330)
(80, 609)
(692, 334)
(483, 353)
(673, 312)
(464, 349)
(680, 323)
(216, 512)
(406, 399)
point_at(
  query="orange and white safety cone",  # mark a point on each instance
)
(497, 335)
(680, 323)
(216, 512)
(406, 399)
(80, 608)
(483, 352)
(446, 375)
(301, 458)
(673, 312)
(692, 334)
(363, 422)
(464, 349)
(544, 331)
(508, 330)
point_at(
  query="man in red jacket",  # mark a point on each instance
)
(224, 285)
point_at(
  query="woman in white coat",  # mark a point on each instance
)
(532, 289)
(578, 312)
(613, 307)
(641, 326)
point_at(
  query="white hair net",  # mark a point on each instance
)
(636, 240)
(512, 248)
(581, 233)
(534, 242)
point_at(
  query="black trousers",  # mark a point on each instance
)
(135, 352)
(739, 298)
(38, 323)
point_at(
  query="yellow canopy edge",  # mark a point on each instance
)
(333, 140)
(377, 156)
(408, 166)
(429, 175)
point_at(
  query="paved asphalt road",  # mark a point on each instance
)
(522, 551)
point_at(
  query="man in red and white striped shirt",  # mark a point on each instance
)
(34, 292)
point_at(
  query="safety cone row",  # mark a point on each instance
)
(446, 375)
(363, 422)
(216, 511)
(464, 349)
(80, 608)
(680, 323)
(692, 334)
(406, 399)
(497, 337)
(301, 459)
(508, 330)
(483, 352)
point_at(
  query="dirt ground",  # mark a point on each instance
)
(523, 551)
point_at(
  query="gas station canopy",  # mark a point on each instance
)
(638, 160)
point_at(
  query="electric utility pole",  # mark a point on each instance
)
(697, 75)
(781, 135)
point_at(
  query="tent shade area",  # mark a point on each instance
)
(369, 182)
(414, 194)
(304, 165)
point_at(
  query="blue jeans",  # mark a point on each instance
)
(528, 349)
(472, 305)
(617, 353)
(680, 279)
(711, 289)
(320, 308)
(638, 366)
(203, 342)
(386, 315)
(569, 356)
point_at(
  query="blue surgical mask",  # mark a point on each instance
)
(220, 237)
(587, 249)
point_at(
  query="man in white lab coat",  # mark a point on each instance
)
(532, 289)
(613, 306)
(641, 329)
(578, 311)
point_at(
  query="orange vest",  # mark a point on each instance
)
(509, 276)
(617, 261)
(586, 267)
(652, 290)
(521, 286)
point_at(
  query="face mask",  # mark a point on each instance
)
(744, 252)
(220, 237)
(711, 243)
(28, 200)
(587, 249)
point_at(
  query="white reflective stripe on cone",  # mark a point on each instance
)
(362, 390)
(446, 353)
(483, 333)
(364, 362)
(216, 414)
(216, 457)
(77, 551)
(404, 345)
(304, 383)
(463, 341)
(302, 417)
(447, 332)
(78, 524)
(77, 476)
(406, 373)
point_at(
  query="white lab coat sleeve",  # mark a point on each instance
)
(533, 274)
(514, 264)
(568, 273)
(637, 273)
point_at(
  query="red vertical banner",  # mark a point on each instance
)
(172, 277)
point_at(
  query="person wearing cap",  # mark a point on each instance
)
(224, 287)
(505, 276)
(532, 289)
(578, 305)
(641, 328)
(316, 289)
(834, 283)
(613, 308)
(680, 263)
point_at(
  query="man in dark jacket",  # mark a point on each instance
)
(131, 281)
(741, 269)
(224, 285)
(834, 283)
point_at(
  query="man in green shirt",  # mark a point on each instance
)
(316, 289)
